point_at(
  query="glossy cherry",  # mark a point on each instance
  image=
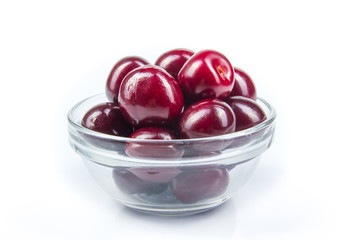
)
(172, 61)
(106, 118)
(157, 150)
(156, 174)
(153, 149)
(248, 113)
(193, 186)
(207, 118)
(149, 96)
(207, 74)
(117, 74)
(244, 85)
(129, 183)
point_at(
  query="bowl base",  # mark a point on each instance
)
(183, 211)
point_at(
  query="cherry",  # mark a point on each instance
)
(207, 118)
(163, 150)
(150, 96)
(207, 74)
(147, 150)
(248, 113)
(117, 74)
(156, 174)
(106, 118)
(172, 61)
(193, 186)
(244, 86)
(129, 183)
(153, 133)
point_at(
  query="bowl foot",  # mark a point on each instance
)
(176, 210)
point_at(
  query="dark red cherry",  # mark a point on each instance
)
(149, 96)
(153, 133)
(172, 61)
(244, 86)
(207, 74)
(107, 118)
(248, 113)
(117, 74)
(158, 150)
(156, 174)
(128, 182)
(207, 118)
(193, 186)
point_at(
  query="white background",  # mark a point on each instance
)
(302, 55)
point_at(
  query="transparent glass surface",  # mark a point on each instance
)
(176, 177)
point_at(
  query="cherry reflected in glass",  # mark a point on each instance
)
(193, 186)
(154, 150)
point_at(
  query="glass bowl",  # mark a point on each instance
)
(170, 177)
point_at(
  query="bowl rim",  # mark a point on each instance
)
(270, 119)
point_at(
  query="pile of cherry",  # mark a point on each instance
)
(183, 95)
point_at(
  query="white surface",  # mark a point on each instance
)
(302, 55)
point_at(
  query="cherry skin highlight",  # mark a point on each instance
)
(150, 96)
(117, 74)
(173, 60)
(207, 74)
(247, 112)
(244, 85)
(207, 118)
(106, 118)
